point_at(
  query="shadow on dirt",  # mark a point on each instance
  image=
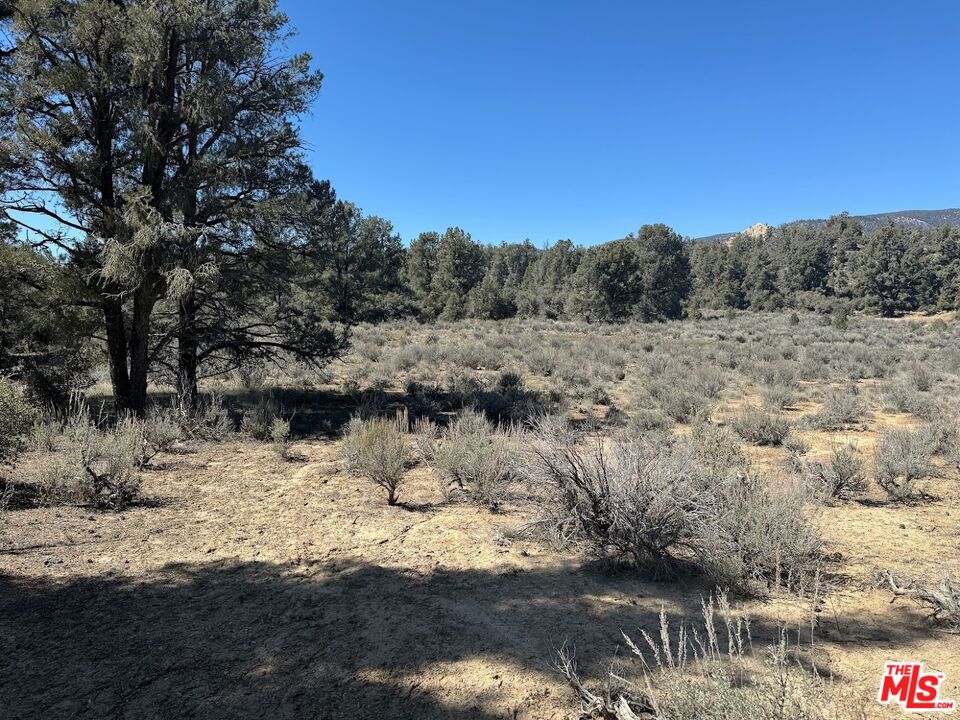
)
(256, 640)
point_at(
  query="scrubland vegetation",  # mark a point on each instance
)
(701, 454)
(260, 457)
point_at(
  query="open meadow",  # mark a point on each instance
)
(458, 513)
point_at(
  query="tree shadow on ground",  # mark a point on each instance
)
(257, 640)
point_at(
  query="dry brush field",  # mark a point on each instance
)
(260, 573)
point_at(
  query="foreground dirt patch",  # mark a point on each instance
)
(255, 587)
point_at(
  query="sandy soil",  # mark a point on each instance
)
(253, 587)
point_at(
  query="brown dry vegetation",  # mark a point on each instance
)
(249, 584)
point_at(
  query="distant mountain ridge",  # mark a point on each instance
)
(922, 219)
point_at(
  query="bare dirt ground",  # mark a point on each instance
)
(253, 587)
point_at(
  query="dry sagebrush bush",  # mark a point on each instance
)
(682, 404)
(476, 456)
(256, 421)
(760, 427)
(657, 499)
(208, 420)
(636, 500)
(162, 431)
(901, 458)
(96, 466)
(717, 450)
(842, 476)
(280, 436)
(841, 409)
(757, 536)
(376, 449)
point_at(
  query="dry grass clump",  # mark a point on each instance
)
(709, 671)
(376, 449)
(902, 457)
(477, 457)
(761, 427)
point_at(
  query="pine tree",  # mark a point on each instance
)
(459, 268)
(665, 273)
(421, 263)
(894, 273)
(545, 284)
(158, 139)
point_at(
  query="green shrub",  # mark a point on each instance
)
(16, 419)
(840, 317)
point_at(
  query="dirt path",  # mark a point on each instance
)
(254, 587)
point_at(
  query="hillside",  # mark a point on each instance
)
(922, 219)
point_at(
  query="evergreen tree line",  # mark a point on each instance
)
(657, 275)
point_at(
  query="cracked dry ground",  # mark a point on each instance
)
(253, 587)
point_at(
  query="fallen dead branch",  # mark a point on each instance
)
(942, 601)
(619, 704)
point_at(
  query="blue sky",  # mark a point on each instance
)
(550, 120)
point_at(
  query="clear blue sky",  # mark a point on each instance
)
(582, 120)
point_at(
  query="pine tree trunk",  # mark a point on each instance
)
(143, 302)
(187, 353)
(117, 352)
